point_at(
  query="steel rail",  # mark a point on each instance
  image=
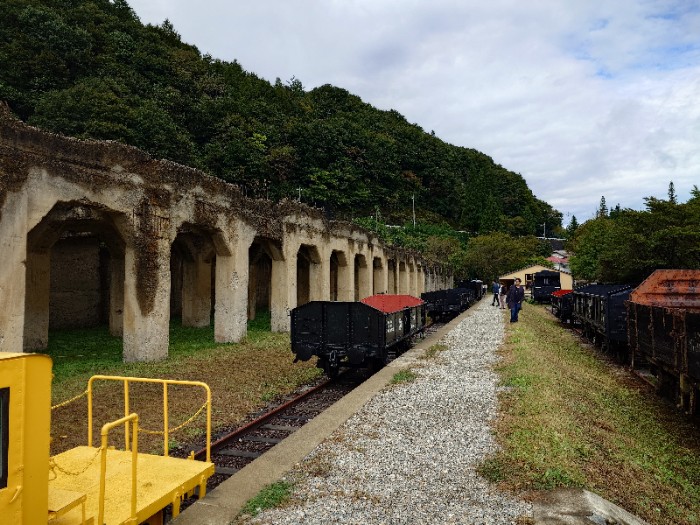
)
(261, 419)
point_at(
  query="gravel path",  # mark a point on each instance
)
(409, 456)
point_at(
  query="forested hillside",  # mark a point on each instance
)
(90, 68)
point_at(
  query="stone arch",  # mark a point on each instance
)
(309, 284)
(192, 275)
(263, 275)
(74, 271)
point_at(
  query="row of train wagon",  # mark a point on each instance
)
(653, 327)
(371, 332)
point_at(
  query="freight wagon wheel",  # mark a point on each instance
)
(330, 371)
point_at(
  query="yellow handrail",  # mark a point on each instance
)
(165, 383)
(103, 464)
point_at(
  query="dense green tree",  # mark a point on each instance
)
(490, 256)
(630, 245)
(602, 208)
(572, 227)
(671, 193)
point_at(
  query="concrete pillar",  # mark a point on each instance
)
(380, 276)
(147, 301)
(13, 273)
(280, 299)
(319, 275)
(284, 285)
(363, 281)
(116, 295)
(404, 279)
(231, 309)
(391, 276)
(36, 305)
(196, 292)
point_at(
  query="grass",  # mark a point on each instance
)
(269, 497)
(243, 378)
(434, 351)
(570, 418)
(403, 376)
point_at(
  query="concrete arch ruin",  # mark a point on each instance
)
(101, 233)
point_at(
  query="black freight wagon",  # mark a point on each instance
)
(476, 285)
(601, 312)
(446, 304)
(544, 283)
(563, 305)
(355, 334)
(664, 333)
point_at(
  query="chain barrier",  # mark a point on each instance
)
(179, 427)
(53, 466)
(64, 403)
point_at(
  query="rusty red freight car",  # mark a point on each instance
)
(664, 333)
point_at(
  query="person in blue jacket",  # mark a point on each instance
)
(495, 287)
(515, 297)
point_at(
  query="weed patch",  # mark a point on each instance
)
(433, 351)
(403, 376)
(269, 497)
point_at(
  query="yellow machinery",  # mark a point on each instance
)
(86, 485)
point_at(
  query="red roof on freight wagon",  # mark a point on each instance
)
(670, 289)
(391, 303)
(559, 293)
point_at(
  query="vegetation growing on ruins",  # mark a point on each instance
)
(90, 68)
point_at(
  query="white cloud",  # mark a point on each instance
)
(583, 99)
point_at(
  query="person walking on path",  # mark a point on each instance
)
(495, 288)
(515, 297)
(502, 296)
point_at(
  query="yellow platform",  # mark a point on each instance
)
(160, 481)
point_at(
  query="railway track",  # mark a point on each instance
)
(234, 449)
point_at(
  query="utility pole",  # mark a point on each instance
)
(544, 230)
(299, 190)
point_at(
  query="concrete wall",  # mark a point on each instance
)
(96, 232)
(79, 284)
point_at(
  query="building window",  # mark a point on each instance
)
(4, 434)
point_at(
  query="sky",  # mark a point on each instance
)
(584, 99)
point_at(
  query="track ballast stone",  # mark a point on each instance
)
(409, 455)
